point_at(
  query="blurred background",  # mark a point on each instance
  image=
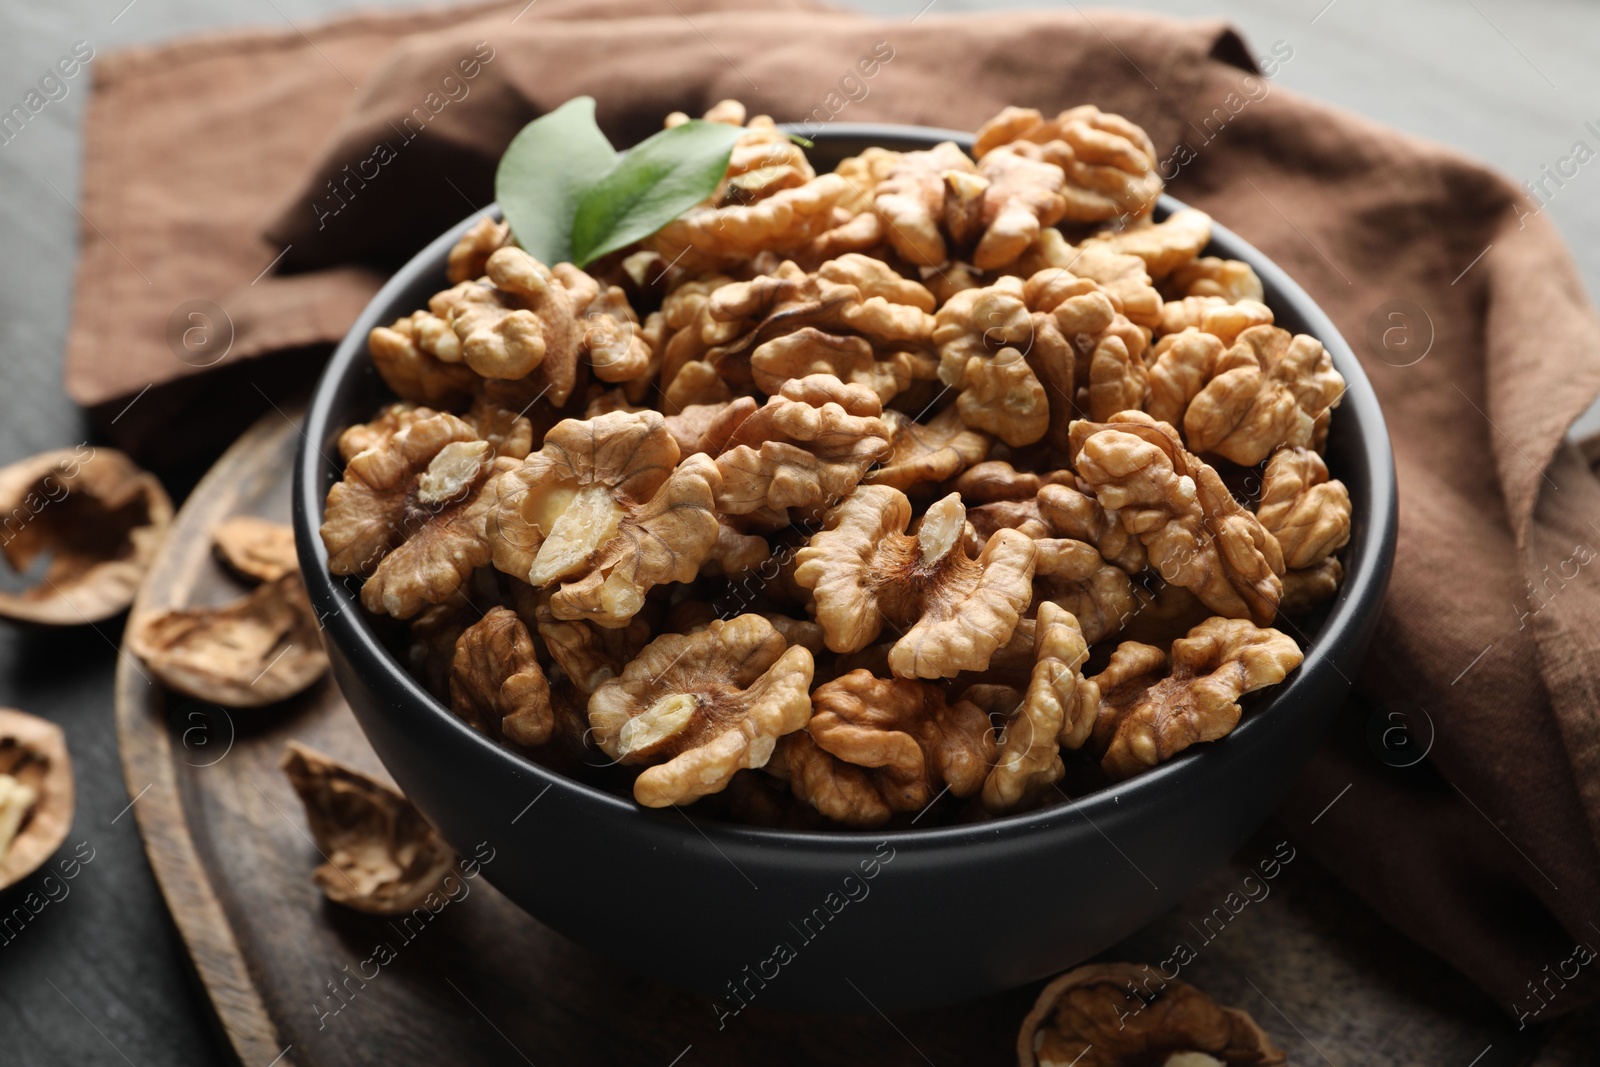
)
(103, 978)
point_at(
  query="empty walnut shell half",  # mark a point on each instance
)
(1125, 1015)
(36, 793)
(97, 516)
(254, 651)
(255, 549)
(379, 854)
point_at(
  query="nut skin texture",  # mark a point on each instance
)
(415, 538)
(921, 453)
(1265, 393)
(1307, 513)
(100, 518)
(605, 508)
(1214, 315)
(380, 856)
(258, 650)
(1153, 706)
(1057, 710)
(876, 747)
(864, 570)
(1195, 534)
(803, 449)
(1115, 1014)
(697, 708)
(1108, 162)
(496, 683)
(33, 751)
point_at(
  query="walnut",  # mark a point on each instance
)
(696, 384)
(364, 435)
(36, 794)
(878, 746)
(1072, 575)
(255, 548)
(688, 427)
(810, 351)
(587, 654)
(412, 514)
(1023, 515)
(1307, 587)
(851, 295)
(1057, 710)
(1153, 706)
(1071, 513)
(1215, 316)
(496, 684)
(257, 650)
(1308, 514)
(805, 448)
(910, 199)
(996, 480)
(469, 257)
(99, 521)
(1022, 197)
(1229, 279)
(1108, 361)
(1121, 277)
(708, 236)
(1109, 163)
(1195, 534)
(1184, 362)
(984, 336)
(1266, 392)
(605, 508)
(379, 855)
(864, 570)
(735, 553)
(1113, 1014)
(414, 372)
(1165, 246)
(688, 330)
(696, 708)
(934, 451)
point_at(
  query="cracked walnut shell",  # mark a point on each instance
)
(255, 548)
(879, 746)
(1153, 706)
(257, 650)
(96, 517)
(697, 708)
(864, 570)
(1119, 1015)
(1194, 532)
(36, 794)
(379, 855)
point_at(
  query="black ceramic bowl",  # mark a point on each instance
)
(848, 921)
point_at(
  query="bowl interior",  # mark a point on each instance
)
(1358, 453)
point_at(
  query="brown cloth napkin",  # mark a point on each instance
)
(206, 160)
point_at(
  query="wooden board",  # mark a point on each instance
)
(483, 983)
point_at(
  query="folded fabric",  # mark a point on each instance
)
(282, 178)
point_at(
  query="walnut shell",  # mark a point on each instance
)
(257, 650)
(1120, 1014)
(99, 518)
(36, 794)
(379, 854)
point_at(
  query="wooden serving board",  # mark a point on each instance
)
(296, 980)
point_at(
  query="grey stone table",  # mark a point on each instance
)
(99, 977)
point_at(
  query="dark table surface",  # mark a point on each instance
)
(99, 976)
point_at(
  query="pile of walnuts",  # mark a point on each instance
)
(931, 481)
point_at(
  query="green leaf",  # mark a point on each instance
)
(654, 183)
(545, 173)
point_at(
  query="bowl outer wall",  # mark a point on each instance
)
(791, 919)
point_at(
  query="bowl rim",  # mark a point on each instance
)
(1366, 579)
